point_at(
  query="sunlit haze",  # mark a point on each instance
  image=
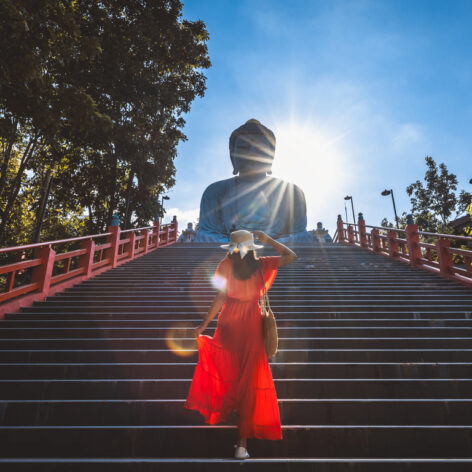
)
(356, 92)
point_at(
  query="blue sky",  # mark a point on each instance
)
(357, 93)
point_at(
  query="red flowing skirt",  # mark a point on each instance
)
(233, 373)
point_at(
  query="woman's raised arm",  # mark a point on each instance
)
(287, 256)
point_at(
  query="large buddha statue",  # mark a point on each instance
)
(253, 199)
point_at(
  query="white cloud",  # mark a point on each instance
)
(408, 134)
(183, 216)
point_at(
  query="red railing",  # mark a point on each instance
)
(429, 251)
(46, 272)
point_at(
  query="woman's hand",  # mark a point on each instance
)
(199, 330)
(261, 236)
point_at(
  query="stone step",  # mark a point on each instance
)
(207, 288)
(275, 464)
(299, 323)
(178, 343)
(82, 389)
(292, 412)
(279, 308)
(184, 329)
(281, 370)
(280, 293)
(210, 441)
(32, 314)
(294, 355)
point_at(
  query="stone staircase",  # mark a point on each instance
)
(373, 372)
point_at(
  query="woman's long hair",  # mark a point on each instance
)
(243, 268)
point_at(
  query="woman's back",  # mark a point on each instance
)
(249, 289)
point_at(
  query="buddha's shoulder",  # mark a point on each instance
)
(220, 185)
(287, 186)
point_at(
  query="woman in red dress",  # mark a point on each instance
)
(233, 372)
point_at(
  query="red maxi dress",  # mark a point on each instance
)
(233, 372)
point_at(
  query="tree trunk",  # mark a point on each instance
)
(90, 223)
(16, 187)
(127, 221)
(46, 187)
(112, 208)
(6, 158)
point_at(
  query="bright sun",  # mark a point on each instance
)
(313, 159)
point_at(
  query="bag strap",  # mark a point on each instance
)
(265, 296)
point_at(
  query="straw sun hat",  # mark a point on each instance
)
(241, 240)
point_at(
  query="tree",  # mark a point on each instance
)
(37, 106)
(95, 92)
(385, 223)
(434, 201)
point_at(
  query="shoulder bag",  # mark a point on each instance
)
(269, 326)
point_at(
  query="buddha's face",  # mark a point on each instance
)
(252, 154)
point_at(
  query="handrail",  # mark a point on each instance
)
(136, 229)
(50, 243)
(448, 236)
(452, 263)
(385, 228)
(45, 272)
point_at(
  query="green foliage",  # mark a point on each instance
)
(385, 223)
(435, 201)
(94, 93)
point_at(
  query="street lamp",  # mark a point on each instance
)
(349, 197)
(161, 203)
(390, 192)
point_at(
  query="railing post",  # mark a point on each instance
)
(114, 240)
(145, 240)
(132, 244)
(42, 273)
(468, 264)
(362, 233)
(428, 254)
(340, 224)
(375, 240)
(413, 241)
(157, 229)
(86, 260)
(445, 258)
(174, 227)
(350, 234)
(10, 282)
(392, 243)
(167, 235)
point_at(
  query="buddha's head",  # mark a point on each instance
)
(252, 148)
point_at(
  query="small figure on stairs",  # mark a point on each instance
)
(188, 235)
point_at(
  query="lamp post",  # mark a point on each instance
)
(390, 192)
(161, 203)
(349, 197)
(345, 211)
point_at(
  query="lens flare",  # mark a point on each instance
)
(218, 282)
(180, 340)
